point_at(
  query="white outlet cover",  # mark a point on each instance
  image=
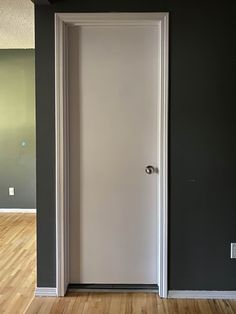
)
(11, 191)
(233, 250)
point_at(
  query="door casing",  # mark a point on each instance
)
(62, 21)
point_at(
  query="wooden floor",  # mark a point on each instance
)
(17, 284)
(17, 262)
(127, 303)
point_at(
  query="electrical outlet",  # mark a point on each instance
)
(233, 250)
(11, 191)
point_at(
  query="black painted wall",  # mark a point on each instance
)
(202, 130)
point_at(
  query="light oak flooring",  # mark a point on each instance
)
(17, 284)
(17, 262)
(127, 303)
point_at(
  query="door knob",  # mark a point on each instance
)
(149, 169)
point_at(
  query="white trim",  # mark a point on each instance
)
(18, 210)
(201, 294)
(62, 20)
(163, 171)
(61, 134)
(80, 19)
(45, 292)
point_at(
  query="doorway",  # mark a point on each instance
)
(111, 167)
(17, 180)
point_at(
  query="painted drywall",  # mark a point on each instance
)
(202, 146)
(17, 128)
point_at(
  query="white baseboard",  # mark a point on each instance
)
(46, 292)
(18, 210)
(201, 294)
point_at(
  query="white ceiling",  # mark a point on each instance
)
(16, 24)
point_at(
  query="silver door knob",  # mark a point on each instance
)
(149, 169)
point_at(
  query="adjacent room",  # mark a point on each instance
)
(17, 157)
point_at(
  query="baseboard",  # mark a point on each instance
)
(18, 210)
(201, 294)
(46, 292)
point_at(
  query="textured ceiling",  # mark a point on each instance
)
(16, 24)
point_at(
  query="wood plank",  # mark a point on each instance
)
(128, 303)
(17, 284)
(17, 261)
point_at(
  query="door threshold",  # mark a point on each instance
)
(74, 287)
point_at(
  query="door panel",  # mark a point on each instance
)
(113, 97)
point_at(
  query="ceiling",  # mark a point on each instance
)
(16, 24)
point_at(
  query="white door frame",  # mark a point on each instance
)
(62, 21)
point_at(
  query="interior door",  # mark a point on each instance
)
(113, 102)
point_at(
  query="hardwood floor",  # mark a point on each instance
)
(17, 262)
(17, 284)
(127, 303)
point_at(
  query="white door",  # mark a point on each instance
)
(113, 109)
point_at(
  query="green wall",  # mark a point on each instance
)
(17, 128)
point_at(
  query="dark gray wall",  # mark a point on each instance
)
(17, 128)
(202, 146)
